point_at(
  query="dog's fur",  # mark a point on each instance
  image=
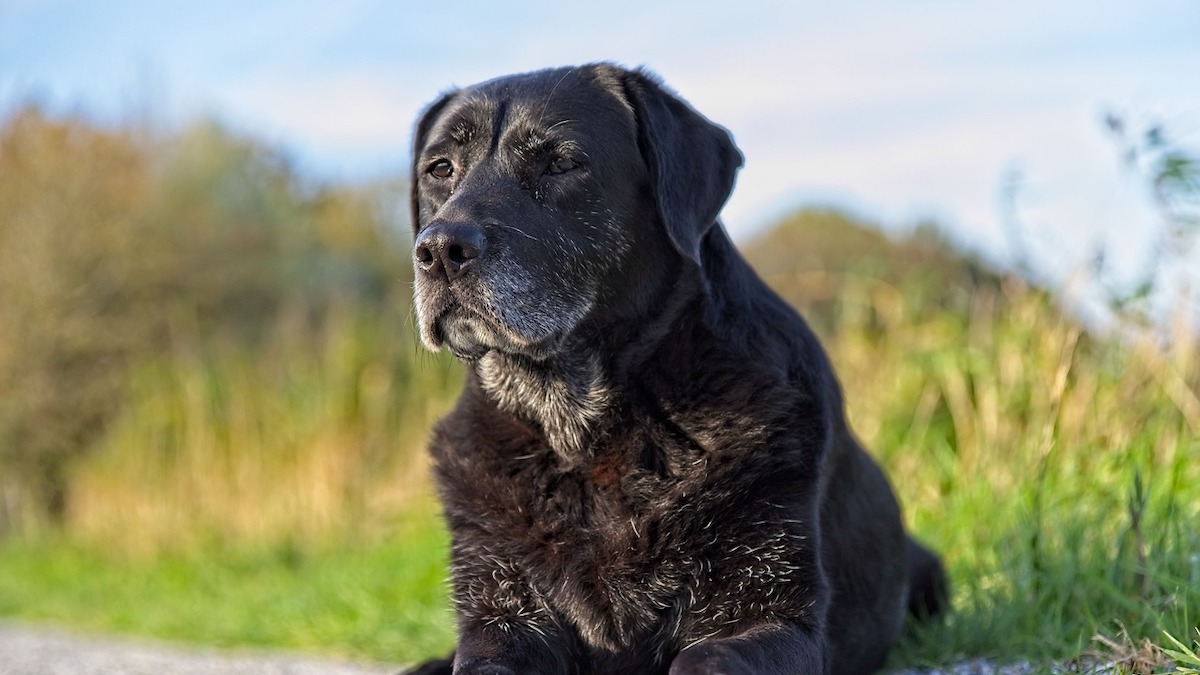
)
(649, 469)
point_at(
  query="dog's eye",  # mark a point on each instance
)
(441, 169)
(560, 165)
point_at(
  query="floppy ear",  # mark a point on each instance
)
(420, 135)
(692, 161)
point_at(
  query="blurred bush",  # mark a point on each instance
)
(120, 249)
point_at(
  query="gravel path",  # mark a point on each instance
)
(26, 650)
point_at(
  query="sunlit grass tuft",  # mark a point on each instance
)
(1058, 473)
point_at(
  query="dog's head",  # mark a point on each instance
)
(541, 200)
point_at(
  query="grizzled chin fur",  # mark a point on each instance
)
(565, 395)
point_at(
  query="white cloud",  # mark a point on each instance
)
(340, 110)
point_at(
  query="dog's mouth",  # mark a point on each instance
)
(509, 310)
(464, 333)
(469, 333)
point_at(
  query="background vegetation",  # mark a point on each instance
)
(213, 408)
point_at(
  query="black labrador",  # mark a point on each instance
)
(649, 469)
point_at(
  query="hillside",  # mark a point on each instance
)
(812, 256)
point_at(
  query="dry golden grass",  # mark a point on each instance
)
(244, 449)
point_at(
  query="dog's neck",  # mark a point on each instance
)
(565, 395)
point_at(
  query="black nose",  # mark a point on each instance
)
(448, 249)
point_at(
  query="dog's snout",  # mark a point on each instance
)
(449, 249)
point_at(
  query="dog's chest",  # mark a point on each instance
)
(591, 545)
(615, 567)
(652, 541)
(624, 556)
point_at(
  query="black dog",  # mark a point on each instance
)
(649, 469)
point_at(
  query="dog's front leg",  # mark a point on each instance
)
(508, 649)
(776, 649)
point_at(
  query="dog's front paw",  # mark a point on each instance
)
(478, 668)
(709, 659)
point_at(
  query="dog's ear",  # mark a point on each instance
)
(420, 135)
(692, 161)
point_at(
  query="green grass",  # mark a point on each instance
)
(1187, 659)
(385, 602)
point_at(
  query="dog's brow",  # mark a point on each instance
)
(536, 140)
(498, 124)
(462, 130)
(546, 103)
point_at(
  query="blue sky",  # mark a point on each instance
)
(897, 110)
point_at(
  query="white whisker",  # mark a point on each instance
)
(520, 231)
